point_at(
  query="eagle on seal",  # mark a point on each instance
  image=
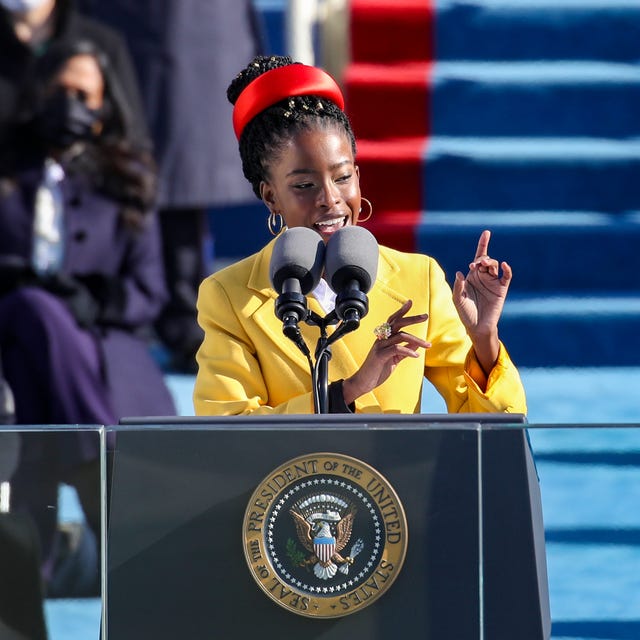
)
(317, 536)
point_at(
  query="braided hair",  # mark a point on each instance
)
(266, 134)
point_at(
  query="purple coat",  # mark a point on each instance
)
(102, 371)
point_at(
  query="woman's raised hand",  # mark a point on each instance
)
(479, 298)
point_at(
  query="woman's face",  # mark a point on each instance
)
(71, 109)
(81, 77)
(314, 182)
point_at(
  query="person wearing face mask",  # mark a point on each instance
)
(29, 27)
(183, 52)
(66, 119)
(81, 277)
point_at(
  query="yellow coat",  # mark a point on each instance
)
(247, 365)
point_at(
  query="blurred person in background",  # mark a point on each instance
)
(184, 52)
(29, 27)
(81, 277)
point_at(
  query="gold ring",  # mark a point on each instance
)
(382, 331)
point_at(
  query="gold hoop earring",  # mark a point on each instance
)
(370, 210)
(275, 223)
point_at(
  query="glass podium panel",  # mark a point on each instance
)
(179, 559)
(590, 487)
(50, 547)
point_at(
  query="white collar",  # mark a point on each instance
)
(325, 296)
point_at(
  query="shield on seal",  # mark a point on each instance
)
(324, 548)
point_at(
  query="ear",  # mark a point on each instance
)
(268, 195)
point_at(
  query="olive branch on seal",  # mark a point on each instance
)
(296, 556)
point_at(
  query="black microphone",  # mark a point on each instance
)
(295, 270)
(351, 267)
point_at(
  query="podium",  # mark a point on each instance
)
(177, 557)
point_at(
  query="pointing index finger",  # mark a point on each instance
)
(483, 244)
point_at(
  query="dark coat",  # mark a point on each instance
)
(73, 345)
(186, 53)
(16, 62)
(112, 281)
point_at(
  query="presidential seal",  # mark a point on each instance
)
(325, 535)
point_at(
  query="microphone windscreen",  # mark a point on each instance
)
(298, 253)
(352, 254)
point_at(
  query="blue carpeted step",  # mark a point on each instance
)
(538, 30)
(73, 619)
(534, 98)
(238, 230)
(617, 444)
(507, 174)
(610, 472)
(571, 331)
(564, 307)
(531, 174)
(550, 251)
(593, 590)
(531, 99)
(590, 486)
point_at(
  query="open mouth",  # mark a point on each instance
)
(331, 225)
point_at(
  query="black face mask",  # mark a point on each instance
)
(65, 119)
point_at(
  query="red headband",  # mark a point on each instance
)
(278, 84)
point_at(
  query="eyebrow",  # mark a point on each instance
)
(333, 167)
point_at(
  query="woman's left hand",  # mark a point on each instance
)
(479, 298)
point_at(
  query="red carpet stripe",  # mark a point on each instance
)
(386, 31)
(389, 101)
(390, 176)
(388, 93)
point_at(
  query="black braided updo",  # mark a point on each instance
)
(264, 135)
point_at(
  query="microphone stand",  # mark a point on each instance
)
(291, 309)
(320, 371)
